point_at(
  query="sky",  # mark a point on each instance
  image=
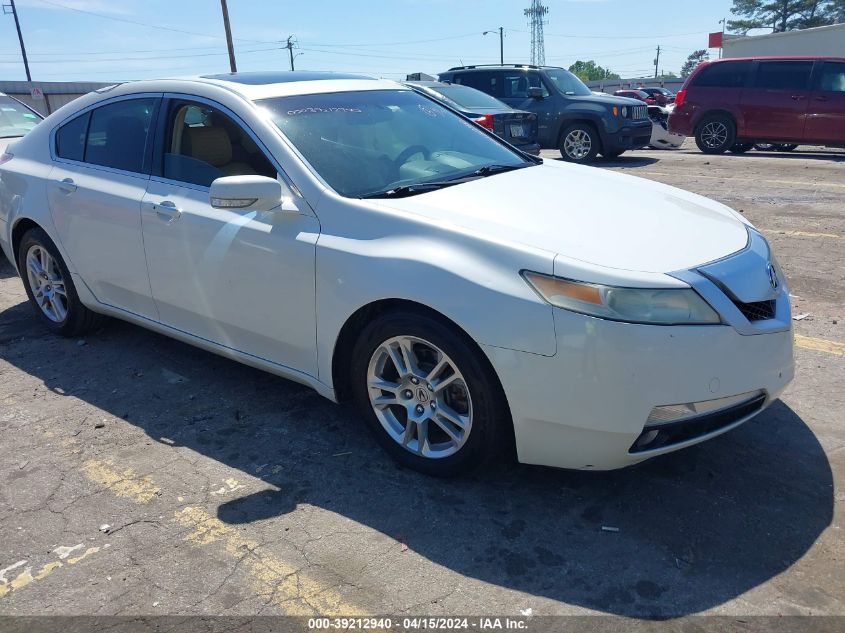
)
(105, 40)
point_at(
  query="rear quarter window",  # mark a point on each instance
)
(70, 138)
(723, 75)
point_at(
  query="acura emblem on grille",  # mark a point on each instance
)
(773, 276)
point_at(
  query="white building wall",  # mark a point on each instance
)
(823, 41)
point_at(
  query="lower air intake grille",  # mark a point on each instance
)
(758, 311)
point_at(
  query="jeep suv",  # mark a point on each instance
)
(731, 104)
(573, 119)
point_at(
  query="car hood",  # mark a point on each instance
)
(588, 214)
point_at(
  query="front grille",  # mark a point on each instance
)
(757, 311)
(637, 112)
(663, 435)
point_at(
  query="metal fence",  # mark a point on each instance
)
(48, 96)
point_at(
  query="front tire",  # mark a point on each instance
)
(715, 134)
(50, 288)
(580, 143)
(430, 399)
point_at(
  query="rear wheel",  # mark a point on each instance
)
(429, 399)
(50, 288)
(786, 148)
(580, 143)
(715, 134)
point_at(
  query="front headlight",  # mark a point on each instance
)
(624, 111)
(663, 306)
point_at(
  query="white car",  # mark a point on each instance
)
(358, 237)
(661, 137)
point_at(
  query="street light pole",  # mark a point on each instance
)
(20, 39)
(501, 44)
(232, 65)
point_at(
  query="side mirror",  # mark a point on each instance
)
(257, 193)
(535, 93)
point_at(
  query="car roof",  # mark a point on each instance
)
(776, 58)
(433, 84)
(264, 85)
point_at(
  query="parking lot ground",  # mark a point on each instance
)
(142, 476)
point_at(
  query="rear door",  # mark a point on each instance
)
(826, 111)
(775, 103)
(99, 176)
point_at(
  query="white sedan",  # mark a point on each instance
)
(358, 237)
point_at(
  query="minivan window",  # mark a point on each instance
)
(832, 77)
(15, 118)
(723, 75)
(118, 134)
(70, 138)
(783, 75)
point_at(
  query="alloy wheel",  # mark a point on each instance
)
(714, 134)
(577, 144)
(420, 397)
(47, 283)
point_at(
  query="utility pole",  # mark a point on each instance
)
(290, 44)
(232, 65)
(11, 6)
(723, 22)
(656, 61)
(501, 44)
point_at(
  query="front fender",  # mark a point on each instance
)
(473, 282)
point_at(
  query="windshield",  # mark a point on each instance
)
(567, 83)
(469, 97)
(367, 142)
(15, 118)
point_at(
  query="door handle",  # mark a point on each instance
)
(797, 97)
(167, 211)
(66, 185)
(821, 98)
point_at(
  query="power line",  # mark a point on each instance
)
(145, 24)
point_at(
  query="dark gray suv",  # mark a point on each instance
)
(572, 118)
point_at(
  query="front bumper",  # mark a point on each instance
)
(586, 406)
(632, 135)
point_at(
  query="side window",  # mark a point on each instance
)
(202, 144)
(70, 138)
(488, 82)
(785, 75)
(118, 134)
(832, 77)
(723, 75)
(534, 81)
(515, 85)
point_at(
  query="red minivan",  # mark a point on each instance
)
(730, 104)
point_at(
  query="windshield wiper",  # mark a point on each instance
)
(489, 170)
(410, 190)
(422, 187)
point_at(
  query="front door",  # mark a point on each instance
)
(242, 279)
(826, 113)
(99, 177)
(774, 106)
(515, 86)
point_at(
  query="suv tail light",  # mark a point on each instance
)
(5, 157)
(485, 121)
(679, 98)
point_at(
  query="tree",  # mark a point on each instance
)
(784, 15)
(694, 60)
(590, 71)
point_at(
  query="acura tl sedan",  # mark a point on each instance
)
(356, 236)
